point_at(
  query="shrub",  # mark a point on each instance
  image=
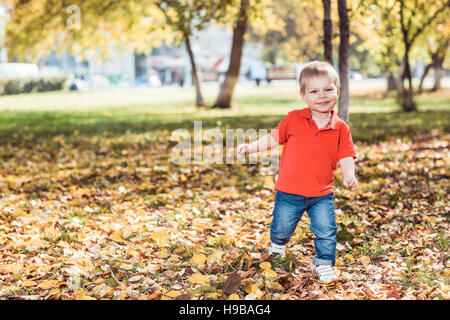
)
(26, 85)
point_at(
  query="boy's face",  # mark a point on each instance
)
(320, 94)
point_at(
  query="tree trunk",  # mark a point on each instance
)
(231, 77)
(199, 97)
(438, 72)
(422, 79)
(390, 81)
(408, 103)
(327, 31)
(344, 35)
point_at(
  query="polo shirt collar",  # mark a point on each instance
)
(306, 112)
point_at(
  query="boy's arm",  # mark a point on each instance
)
(262, 144)
(348, 170)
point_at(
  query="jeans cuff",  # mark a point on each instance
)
(322, 262)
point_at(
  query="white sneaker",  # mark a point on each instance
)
(277, 249)
(325, 273)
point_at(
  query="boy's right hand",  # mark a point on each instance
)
(242, 150)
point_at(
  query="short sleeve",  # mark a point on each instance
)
(346, 147)
(280, 132)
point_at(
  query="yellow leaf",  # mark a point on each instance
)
(179, 250)
(268, 182)
(28, 283)
(127, 231)
(18, 213)
(349, 257)
(30, 243)
(102, 290)
(269, 274)
(35, 211)
(87, 298)
(251, 288)
(48, 284)
(198, 259)
(56, 293)
(233, 296)
(265, 265)
(198, 278)
(161, 237)
(173, 294)
(365, 260)
(226, 241)
(117, 236)
(51, 233)
(63, 244)
(274, 285)
(164, 253)
(10, 268)
(215, 256)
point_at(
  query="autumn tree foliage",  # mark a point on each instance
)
(397, 33)
(290, 31)
(86, 28)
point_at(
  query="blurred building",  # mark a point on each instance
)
(211, 48)
(171, 64)
(164, 65)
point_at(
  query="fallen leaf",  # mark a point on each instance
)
(198, 278)
(48, 284)
(198, 259)
(269, 274)
(265, 265)
(232, 283)
(251, 288)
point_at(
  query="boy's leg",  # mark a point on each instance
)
(287, 211)
(323, 225)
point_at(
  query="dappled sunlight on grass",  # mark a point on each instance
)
(156, 109)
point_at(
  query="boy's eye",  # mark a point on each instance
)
(330, 89)
(314, 91)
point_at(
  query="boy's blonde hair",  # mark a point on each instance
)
(318, 68)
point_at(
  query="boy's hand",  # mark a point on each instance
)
(242, 150)
(350, 182)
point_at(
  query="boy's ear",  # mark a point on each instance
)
(301, 94)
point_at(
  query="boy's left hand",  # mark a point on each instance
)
(350, 182)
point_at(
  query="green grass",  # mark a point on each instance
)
(113, 113)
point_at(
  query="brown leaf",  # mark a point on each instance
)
(184, 296)
(232, 283)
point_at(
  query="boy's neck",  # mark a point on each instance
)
(320, 116)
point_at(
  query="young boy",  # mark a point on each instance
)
(315, 139)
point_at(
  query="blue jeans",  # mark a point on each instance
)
(288, 210)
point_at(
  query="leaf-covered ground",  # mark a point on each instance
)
(98, 216)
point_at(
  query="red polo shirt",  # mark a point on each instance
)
(309, 157)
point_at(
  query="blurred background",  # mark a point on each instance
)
(391, 46)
